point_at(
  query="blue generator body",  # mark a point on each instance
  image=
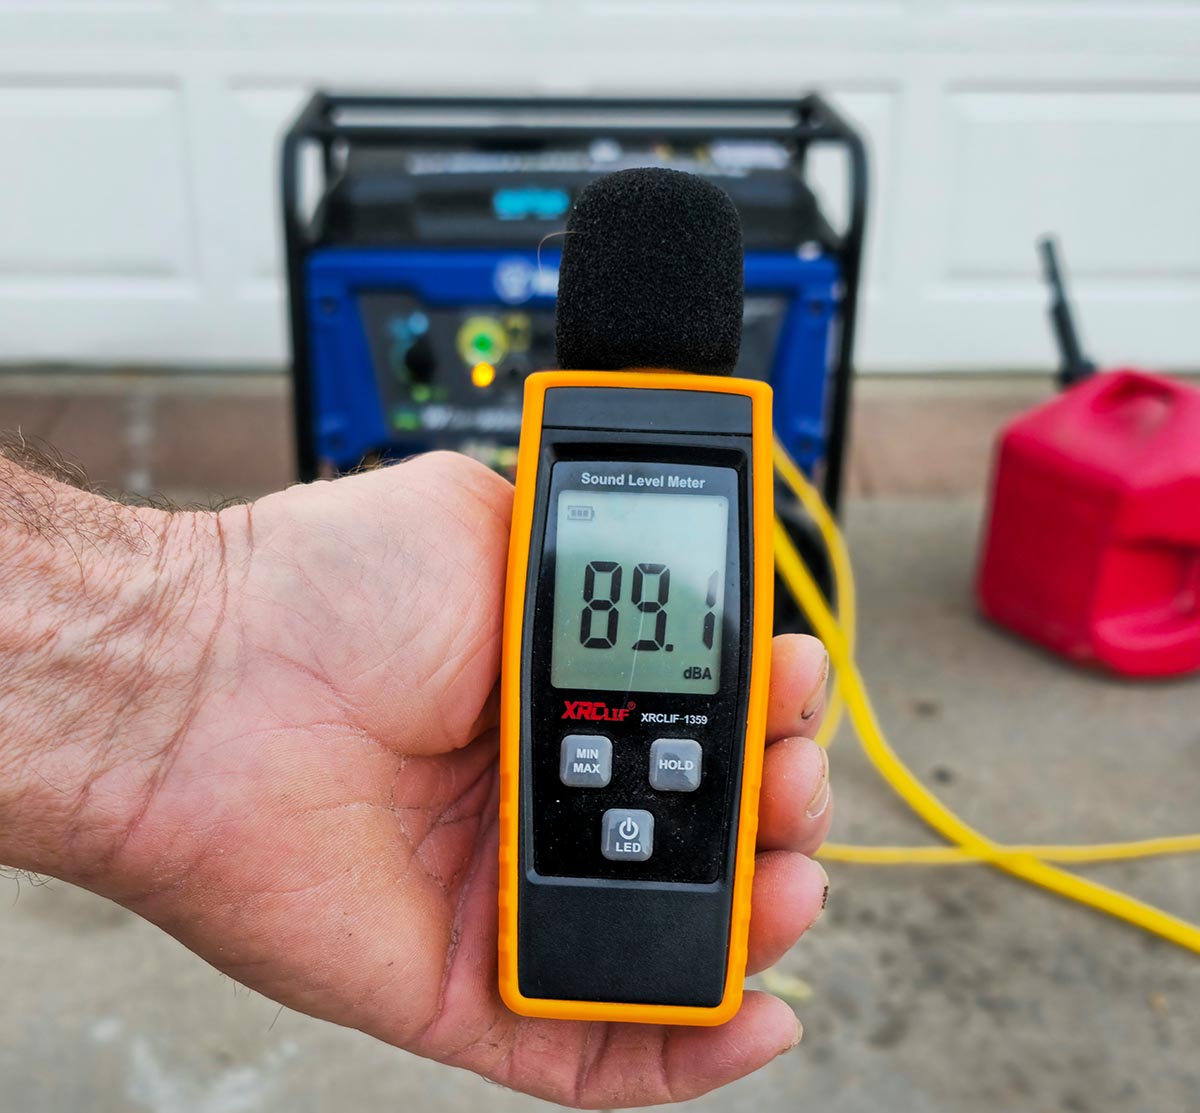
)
(354, 414)
(423, 271)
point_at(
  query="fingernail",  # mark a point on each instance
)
(797, 1036)
(821, 796)
(817, 695)
(824, 889)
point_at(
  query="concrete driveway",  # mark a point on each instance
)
(929, 990)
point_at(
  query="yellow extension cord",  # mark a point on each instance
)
(968, 845)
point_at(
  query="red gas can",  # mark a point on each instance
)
(1092, 541)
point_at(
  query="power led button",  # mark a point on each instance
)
(627, 835)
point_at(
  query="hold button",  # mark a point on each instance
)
(675, 764)
(627, 835)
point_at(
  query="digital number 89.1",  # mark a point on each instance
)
(651, 591)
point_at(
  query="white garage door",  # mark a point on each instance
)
(138, 142)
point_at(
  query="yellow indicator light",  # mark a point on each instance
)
(483, 374)
(520, 331)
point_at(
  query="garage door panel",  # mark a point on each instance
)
(1114, 174)
(97, 183)
(263, 114)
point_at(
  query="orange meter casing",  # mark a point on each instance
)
(630, 771)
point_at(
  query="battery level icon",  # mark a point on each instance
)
(580, 513)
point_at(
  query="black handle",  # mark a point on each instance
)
(1074, 365)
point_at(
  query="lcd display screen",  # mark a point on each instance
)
(639, 591)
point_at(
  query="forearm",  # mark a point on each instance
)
(107, 615)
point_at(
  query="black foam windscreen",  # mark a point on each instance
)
(651, 275)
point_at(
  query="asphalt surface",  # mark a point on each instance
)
(922, 990)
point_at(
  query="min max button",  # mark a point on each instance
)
(585, 761)
(627, 835)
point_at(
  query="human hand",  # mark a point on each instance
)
(299, 779)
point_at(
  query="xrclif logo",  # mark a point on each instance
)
(594, 711)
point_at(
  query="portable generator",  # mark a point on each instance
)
(422, 261)
(423, 238)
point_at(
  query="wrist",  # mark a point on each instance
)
(106, 623)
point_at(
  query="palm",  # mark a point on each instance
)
(324, 830)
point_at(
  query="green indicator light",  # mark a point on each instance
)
(406, 419)
(481, 338)
(421, 393)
